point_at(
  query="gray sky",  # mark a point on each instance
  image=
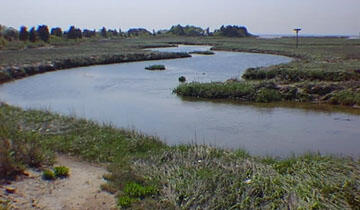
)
(259, 16)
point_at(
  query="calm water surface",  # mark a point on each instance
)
(128, 96)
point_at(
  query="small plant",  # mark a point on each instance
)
(48, 174)
(5, 204)
(136, 190)
(125, 201)
(208, 52)
(182, 79)
(61, 171)
(155, 67)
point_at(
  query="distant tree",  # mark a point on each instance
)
(74, 33)
(207, 32)
(114, 32)
(32, 35)
(43, 33)
(138, 32)
(103, 32)
(23, 34)
(186, 30)
(232, 31)
(56, 32)
(154, 32)
(11, 34)
(87, 33)
(177, 30)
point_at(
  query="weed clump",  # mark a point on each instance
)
(20, 149)
(61, 171)
(182, 79)
(135, 192)
(48, 174)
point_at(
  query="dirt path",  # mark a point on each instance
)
(81, 190)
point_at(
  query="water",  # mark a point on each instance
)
(128, 96)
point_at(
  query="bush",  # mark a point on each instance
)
(346, 97)
(9, 167)
(19, 149)
(136, 190)
(182, 79)
(48, 174)
(61, 171)
(125, 201)
(265, 95)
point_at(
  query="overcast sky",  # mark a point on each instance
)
(259, 16)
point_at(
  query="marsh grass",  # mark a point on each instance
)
(155, 67)
(144, 172)
(208, 52)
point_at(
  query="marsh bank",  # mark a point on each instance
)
(128, 96)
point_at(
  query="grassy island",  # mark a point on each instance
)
(155, 67)
(202, 52)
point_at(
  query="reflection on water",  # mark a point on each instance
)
(129, 96)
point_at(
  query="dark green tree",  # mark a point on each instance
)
(11, 34)
(232, 31)
(103, 32)
(177, 30)
(56, 32)
(43, 33)
(87, 33)
(32, 35)
(23, 34)
(74, 33)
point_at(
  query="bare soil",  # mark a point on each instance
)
(81, 190)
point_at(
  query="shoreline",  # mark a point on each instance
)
(15, 72)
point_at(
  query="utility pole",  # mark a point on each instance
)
(297, 36)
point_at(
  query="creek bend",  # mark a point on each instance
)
(128, 96)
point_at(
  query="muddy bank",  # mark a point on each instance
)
(20, 71)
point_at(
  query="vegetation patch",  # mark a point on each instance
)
(202, 52)
(144, 172)
(182, 79)
(48, 174)
(155, 67)
(61, 171)
(346, 97)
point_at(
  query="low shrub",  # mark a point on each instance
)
(295, 75)
(125, 201)
(61, 171)
(265, 95)
(48, 174)
(345, 97)
(133, 192)
(182, 79)
(19, 149)
(9, 167)
(136, 190)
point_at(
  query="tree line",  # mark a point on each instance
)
(43, 33)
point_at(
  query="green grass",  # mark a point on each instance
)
(61, 171)
(144, 172)
(48, 174)
(202, 52)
